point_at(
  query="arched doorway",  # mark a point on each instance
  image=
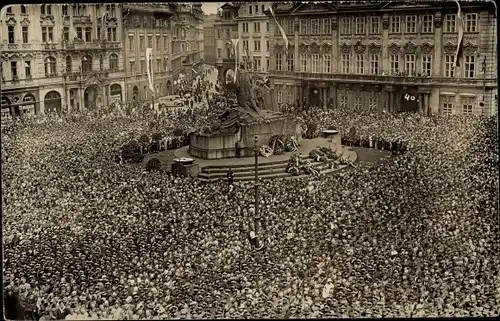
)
(229, 76)
(169, 87)
(409, 101)
(135, 93)
(52, 102)
(29, 104)
(91, 97)
(115, 93)
(314, 96)
(6, 112)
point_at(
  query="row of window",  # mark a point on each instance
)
(253, 9)
(78, 9)
(84, 34)
(158, 41)
(318, 63)
(160, 67)
(448, 105)
(256, 27)
(256, 45)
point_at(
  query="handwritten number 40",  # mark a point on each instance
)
(409, 97)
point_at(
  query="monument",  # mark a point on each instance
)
(254, 113)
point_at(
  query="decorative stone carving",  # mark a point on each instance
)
(5, 57)
(326, 47)
(335, 24)
(449, 48)
(469, 48)
(14, 56)
(25, 22)
(426, 48)
(47, 20)
(278, 47)
(374, 48)
(345, 48)
(410, 48)
(11, 21)
(438, 20)
(296, 26)
(303, 48)
(28, 56)
(385, 22)
(394, 48)
(314, 47)
(359, 47)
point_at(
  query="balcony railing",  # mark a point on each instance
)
(93, 45)
(83, 76)
(81, 19)
(380, 79)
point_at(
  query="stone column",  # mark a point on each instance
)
(438, 36)
(68, 101)
(80, 93)
(335, 47)
(333, 94)
(385, 43)
(296, 54)
(426, 104)
(390, 90)
(420, 103)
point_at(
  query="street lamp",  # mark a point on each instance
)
(255, 237)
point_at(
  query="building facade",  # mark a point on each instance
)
(386, 55)
(226, 28)
(147, 26)
(254, 31)
(209, 48)
(59, 58)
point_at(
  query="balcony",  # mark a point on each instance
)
(381, 79)
(49, 46)
(82, 20)
(94, 45)
(99, 74)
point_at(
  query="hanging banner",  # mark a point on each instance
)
(149, 55)
(460, 25)
(235, 44)
(282, 31)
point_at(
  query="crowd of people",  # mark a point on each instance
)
(86, 238)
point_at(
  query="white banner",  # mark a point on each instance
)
(235, 44)
(460, 26)
(149, 56)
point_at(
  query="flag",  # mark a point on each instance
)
(194, 71)
(149, 55)
(460, 26)
(283, 34)
(235, 44)
(103, 26)
(72, 30)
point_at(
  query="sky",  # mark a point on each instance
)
(210, 7)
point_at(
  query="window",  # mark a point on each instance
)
(278, 61)
(23, 9)
(101, 62)
(111, 34)
(165, 64)
(79, 33)
(257, 64)
(427, 23)
(450, 23)
(9, 10)
(360, 64)
(46, 9)
(11, 34)
(131, 43)
(87, 63)
(426, 65)
(88, 34)
(315, 26)
(411, 24)
(50, 66)
(165, 43)
(468, 106)
(47, 34)
(395, 24)
(132, 67)
(327, 63)
(228, 33)
(13, 69)
(394, 62)
(346, 61)
(256, 27)
(111, 9)
(219, 33)
(250, 9)
(360, 25)
(267, 45)
(410, 64)
(357, 102)
(345, 25)
(471, 22)
(245, 45)
(68, 63)
(150, 41)
(470, 66)
(25, 34)
(143, 66)
(375, 25)
(372, 103)
(267, 26)
(263, 8)
(66, 33)
(113, 62)
(158, 65)
(267, 64)
(327, 26)
(256, 44)
(315, 63)
(257, 9)
(27, 69)
(343, 101)
(289, 62)
(374, 63)
(447, 105)
(448, 66)
(303, 62)
(141, 42)
(99, 33)
(245, 27)
(219, 52)
(303, 26)
(158, 43)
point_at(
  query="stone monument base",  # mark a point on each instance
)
(241, 144)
